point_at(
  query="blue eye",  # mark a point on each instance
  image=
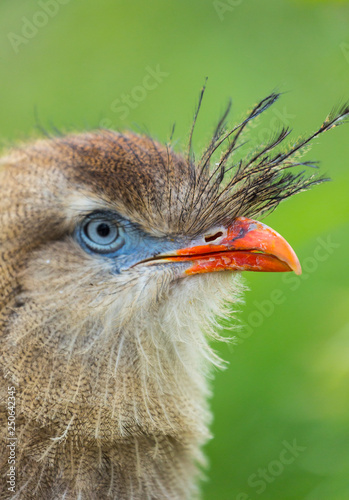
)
(101, 234)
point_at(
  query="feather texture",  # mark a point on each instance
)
(111, 369)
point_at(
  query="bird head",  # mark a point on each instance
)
(117, 255)
(104, 230)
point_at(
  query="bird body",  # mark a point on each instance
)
(108, 301)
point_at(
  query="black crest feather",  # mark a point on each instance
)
(254, 184)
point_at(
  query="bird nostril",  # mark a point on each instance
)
(213, 237)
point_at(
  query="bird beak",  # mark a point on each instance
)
(246, 245)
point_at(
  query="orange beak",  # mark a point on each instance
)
(246, 245)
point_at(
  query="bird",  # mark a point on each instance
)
(117, 256)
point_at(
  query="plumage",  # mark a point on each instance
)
(109, 350)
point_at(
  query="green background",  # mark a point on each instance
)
(288, 377)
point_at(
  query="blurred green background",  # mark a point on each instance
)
(288, 377)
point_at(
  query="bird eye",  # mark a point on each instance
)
(101, 235)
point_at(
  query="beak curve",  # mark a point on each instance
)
(245, 245)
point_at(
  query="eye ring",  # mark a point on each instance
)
(101, 234)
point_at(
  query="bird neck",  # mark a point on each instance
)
(148, 374)
(127, 394)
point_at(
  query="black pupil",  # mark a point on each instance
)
(103, 230)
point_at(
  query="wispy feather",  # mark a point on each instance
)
(254, 184)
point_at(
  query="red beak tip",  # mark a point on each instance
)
(298, 269)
